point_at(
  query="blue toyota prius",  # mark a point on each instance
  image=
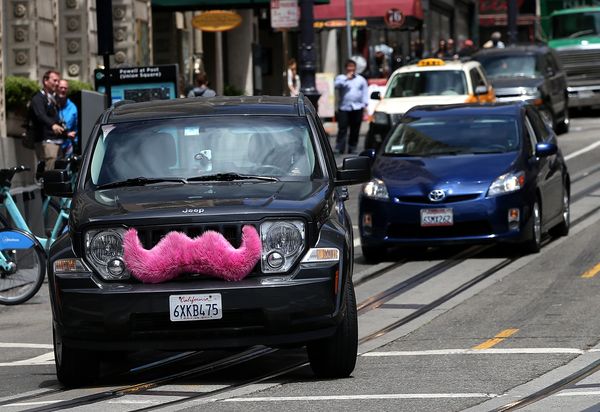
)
(465, 174)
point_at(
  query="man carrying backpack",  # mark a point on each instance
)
(201, 89)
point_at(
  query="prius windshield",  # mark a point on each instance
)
(432, 136)
(205, 148)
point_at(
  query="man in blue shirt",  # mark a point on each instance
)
(67, 112)
(353, 99)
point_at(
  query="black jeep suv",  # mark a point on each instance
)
(529, 73)
(259, 249)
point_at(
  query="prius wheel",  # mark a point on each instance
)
(562, 229)
(534, 243)
(74, 367)
(335, 357)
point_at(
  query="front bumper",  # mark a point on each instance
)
(583, 96)
(478, 220)
(267, 310)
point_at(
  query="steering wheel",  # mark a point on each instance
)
(271, 170)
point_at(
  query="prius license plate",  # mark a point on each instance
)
(195, 307)
(437, 217)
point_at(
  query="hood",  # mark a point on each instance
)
(585, 42)
(403, 104)
(459, 175)
(198, 202)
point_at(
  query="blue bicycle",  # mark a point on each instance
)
(22, 255)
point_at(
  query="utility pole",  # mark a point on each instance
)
(511, 20)
(308, 58)
(104, 23)
(349, 28)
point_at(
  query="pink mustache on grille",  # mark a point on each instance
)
(209, 254)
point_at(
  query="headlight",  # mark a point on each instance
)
(507, 183)
(104, 251)
(282, 244)
(534, 92)
(381, 118)
(376, 189)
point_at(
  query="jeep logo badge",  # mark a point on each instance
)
(437, 195)
(198, 211)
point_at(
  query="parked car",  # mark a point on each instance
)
(429, 81)
(206, 223)
(465, 174)
(529, 73)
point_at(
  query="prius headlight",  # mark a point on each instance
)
(507, 183)
(282, 244)
(104, 251)
(376, 189)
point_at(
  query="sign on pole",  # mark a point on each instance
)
(284, 14)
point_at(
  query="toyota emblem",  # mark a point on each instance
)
(437, 195)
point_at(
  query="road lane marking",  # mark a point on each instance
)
(579, 393)
(33, 403)
(506, 351)
(590, 273)
(45, 359)
(582, 151)
(25, 345)
(363, 397)
(356, 242)
(496, 339)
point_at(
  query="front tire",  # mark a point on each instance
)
(562, 229)
(534, 243)
(335, 357)
(74, 367)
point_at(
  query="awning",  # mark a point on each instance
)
(180, 5)
(336, 9)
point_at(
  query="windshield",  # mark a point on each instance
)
(430, 136)
(510, 66)
(189, 148)
(428, 83)
(576, 25)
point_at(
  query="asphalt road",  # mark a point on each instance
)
(526, 326)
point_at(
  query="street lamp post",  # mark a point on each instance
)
(307, 53)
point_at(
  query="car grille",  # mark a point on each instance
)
(448, 199)
(580, 65)
(459, 229)
(232, 232)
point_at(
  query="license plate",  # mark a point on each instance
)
(195, 307)
(437, 217)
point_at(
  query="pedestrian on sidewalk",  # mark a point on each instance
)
(293, 79)
(67, 112)
(44, 121)
(353, 98)
(201, 89)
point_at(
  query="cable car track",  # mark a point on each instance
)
(365, 306)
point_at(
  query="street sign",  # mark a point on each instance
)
(394, 18)
(284, 14)
(140, 84)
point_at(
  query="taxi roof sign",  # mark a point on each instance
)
(431, 62)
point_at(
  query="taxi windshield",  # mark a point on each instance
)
(203, 148)
(449, 135)
(428, 83)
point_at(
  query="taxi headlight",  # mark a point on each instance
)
(507, 183)
(381, 118)
(103, 248)
(282, 244)
(376, 189)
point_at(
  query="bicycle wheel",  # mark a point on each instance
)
(23, 266)
(50, 216)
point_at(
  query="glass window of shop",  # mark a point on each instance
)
(441, 27)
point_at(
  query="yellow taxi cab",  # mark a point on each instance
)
(429, 81)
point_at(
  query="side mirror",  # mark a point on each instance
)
(354, 170)
(545, 149)
(57, 183)
(370, 153)
(480, 90)
(376, 96)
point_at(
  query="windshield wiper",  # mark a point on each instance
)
(230, 177)
(141, 181)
